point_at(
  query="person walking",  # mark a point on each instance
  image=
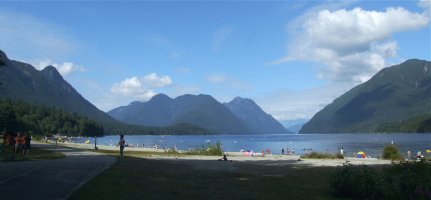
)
(121, 143)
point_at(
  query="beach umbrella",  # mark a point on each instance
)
(360, 154)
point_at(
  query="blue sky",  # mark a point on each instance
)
(291, 57)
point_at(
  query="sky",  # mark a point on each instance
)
(291, 57)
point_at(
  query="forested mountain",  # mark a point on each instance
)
(394, 96)
(23, 117)
(200, 110)
(22, 82)
(254, 117)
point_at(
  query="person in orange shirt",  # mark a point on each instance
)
(22, 143)
(17, 143)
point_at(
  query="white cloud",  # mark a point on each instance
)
(426, 5)
(174, 55)
(183, 70)
(155, 81)
(220, 37)
(216, 78)
(64, 68)
(28, 37)
(352, 44)
(141, 88)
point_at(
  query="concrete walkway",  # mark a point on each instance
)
(50, 179)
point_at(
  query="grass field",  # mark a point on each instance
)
(140, 178)
(34, 154)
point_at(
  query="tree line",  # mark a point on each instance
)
(418, 124)
(42, 120)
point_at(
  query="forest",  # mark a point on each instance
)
(43, 120)
(20, 116)
(418, 124)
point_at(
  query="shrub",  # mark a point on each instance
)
(407, 180)
(391, 152)
(209, 150)
(318, 155)
(404, 180)
(355, 181)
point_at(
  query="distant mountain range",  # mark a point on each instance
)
(294, 125)
(254, 117)
(22, 82)
(395, 96)
(240, 116)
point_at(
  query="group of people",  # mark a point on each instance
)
(288, 151)
(19, 142)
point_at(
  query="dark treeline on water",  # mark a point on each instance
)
(46, 120)
(40, 119)
(419, 124)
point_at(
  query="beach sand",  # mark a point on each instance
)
(268, 159)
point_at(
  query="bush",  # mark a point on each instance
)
(407, 180)
(209, 150)
(391, 152)
(318, 155)
(355, 181)
(404, 180)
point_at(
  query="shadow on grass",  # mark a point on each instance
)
(140, 178)
(35, 153)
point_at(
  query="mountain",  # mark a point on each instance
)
(294, 125)
(22, 82)
(200, 110)
(254, 117)
(393, 95)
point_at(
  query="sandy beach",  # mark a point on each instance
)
(238, 157)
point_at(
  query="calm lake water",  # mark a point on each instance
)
(371, 144)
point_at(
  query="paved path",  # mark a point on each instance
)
(50, 179)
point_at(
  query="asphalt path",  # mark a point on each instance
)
(51, 179)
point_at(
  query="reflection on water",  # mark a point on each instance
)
(372, 144)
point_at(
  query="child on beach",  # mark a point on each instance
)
(122, 143)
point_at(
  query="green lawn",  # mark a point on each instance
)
(139, 178)
(34, 154)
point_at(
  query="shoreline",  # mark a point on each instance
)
(235, 157)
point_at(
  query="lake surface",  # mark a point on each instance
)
(371, 144)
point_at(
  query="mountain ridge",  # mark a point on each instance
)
(201, 110)
(22, 82)
(254, 117)
(395, 93)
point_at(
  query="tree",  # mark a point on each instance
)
(7, 115)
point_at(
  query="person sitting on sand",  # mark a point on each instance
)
(121, 143)
(224, 158)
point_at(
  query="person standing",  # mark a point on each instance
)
(121, 143)
(27, 143)
(17, 143)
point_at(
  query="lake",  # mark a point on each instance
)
(371, 144)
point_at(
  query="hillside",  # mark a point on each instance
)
(394, 94)
(200, 110)
(22, 82)
(254, 117)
